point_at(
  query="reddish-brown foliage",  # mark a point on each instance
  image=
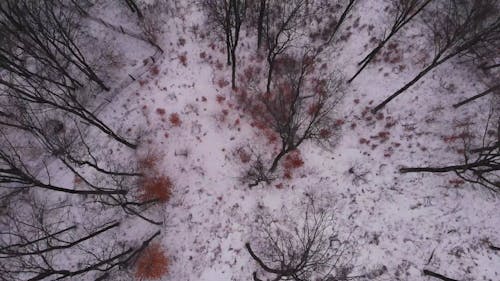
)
(203, 55)
(313, 109)
(152, 263)
(175, 120)
(143, 82)
(461, 136)
(325, 133)
(220, 98)
(160, 111)
(149, 162)
(293, 160)
(219, 65)
(287, 174)
(456, 182)
(183, 59)
(77, 180)
(154, 70)
(339, 122)
(244, 156)
(222, 83)
(157, 187)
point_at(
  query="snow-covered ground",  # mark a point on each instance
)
(405, 222)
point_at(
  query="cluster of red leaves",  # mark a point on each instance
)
(453, 138)
(392, 55)
(291, 162)
(270, 134)
(153, 185)
(175, 120)
(152, 263)
(313, 109)
(222, 83)
(456, 182)
(149, 162)
(244, 156)
(77, 180)
(160, 111)
(154, 70)
(183, 59)
(157, 187)
(319, 86)
(325, 133)
(220, 99)
(219, 65)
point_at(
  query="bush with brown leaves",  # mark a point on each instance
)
(152, 264)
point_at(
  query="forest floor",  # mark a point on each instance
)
(185, 111)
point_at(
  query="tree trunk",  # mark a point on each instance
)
(233, 68)
(436, 62)
(276, 160)
(473, 98)
(133, 6)
(437, 275)
(260, 23)
(269, 74)
(368, 59)
(445, 169)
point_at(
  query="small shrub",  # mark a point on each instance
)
(77, 180)
(160, 111)
(293, 160)
(152, 263)
(175, 120)
(183, 59)
(244, 156)
(154, 70)
(222, 83)
(220, 99)
(219, 65)
(325, 133)
(157, 187)
(149, 162)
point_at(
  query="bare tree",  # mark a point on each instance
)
(280, 29)
(34, 240)
(304, 248)
(260, 22)
(404, 12)
(46, 33)
(457, 27)
(491, 90)
(42, 65)
(134, 8)
(481, 165)
(282, 22)
(227, 16)
(299, 107)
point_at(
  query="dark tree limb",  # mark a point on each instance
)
(480, 95)
(437, 275)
